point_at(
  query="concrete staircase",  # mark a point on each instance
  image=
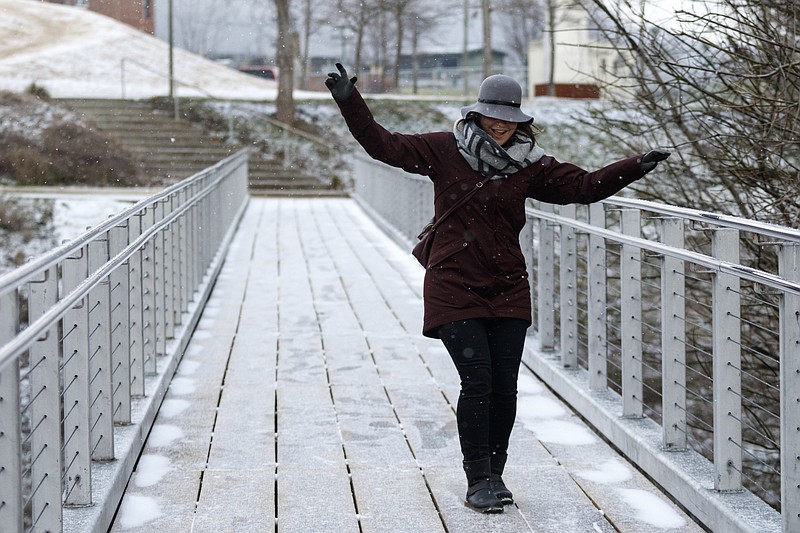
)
(175, 149)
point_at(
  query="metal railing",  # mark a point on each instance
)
(674, 332)
(90, 335)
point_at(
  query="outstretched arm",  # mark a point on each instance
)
(565, 183)
(418, 154)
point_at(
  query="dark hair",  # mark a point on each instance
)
(527, 129)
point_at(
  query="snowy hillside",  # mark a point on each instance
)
(73, 52)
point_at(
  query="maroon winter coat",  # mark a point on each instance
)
(476, 267)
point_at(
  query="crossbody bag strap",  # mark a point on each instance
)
(458, 204)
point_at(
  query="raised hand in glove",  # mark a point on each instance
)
(339, 85)
(651, 159)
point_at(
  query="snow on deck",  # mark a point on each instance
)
(308, 401)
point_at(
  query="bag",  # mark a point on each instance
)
(422, 250)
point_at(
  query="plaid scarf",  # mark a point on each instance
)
(484, 155)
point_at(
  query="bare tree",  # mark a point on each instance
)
(355, 16)
(720, 87)
(311, 20)
(723, 88)
(522, 21)
(286, 46)
(487, 38)
(199, 24)
(401, 8)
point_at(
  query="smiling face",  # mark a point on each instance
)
(500, 130)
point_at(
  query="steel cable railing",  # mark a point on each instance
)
(677, 323)
(90, 334)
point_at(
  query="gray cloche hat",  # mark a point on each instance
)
(499, 97)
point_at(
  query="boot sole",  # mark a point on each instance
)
(485, 510)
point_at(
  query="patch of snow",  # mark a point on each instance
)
(559, 431)
(194, 349)
(163, 435)
(611, 471)
(651, 509)
(151, 469)
(136, 511)
(187, 368)
(181, 386)
(547, 417)
(535, 407)
(529, 385)
(173, 407)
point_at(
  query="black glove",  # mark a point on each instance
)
(651, 159)
(340, 87)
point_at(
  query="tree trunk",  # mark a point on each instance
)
(284, 55)
(487, 39)
(399, 14)
(306, 54)
(551, 38)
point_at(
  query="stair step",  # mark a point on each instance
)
(310, 193)
(287, 182)
(178, 148)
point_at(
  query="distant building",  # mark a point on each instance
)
(136, 13)
(435, 70)
(582, 59)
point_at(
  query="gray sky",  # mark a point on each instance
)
(247, 26)
(220, 27)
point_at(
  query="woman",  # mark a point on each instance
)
(476, 292)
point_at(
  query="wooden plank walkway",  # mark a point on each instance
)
(308, 401)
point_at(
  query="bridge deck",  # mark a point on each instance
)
(307, 401)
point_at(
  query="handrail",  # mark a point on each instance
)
(664, 329)
(107, 317)
(29, 335)
(751, 274)
(718, 219)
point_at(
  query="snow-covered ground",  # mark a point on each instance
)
(74, 52)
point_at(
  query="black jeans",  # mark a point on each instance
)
(487, 354)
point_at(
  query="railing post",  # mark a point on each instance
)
(631, 317)
(135, 312)
(101, 391)
(120, 328)
(568, 294)
(161, 283)
(10, 434)
(789, 268)
(149, 332)
(526, 245)
(726, 350)
(77, 433)
(673, 338)
(195, 233)
(545, 282)
(179, 250)
(188, 248)
(45, 411)
(170, 260)
(597, 304)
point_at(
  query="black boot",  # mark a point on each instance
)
(479, 491)
(496, 481)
